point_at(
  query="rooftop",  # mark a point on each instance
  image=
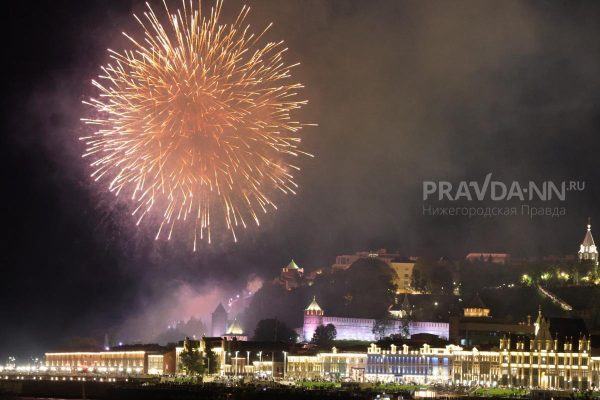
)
(314, 306)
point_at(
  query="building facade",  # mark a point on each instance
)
(136, 362)
(540, 361)
(328, 365)
(403, 278)
(402, 364)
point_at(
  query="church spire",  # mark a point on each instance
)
(588, 250)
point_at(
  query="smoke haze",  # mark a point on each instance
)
(403, 91)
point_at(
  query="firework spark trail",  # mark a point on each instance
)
(196, 117)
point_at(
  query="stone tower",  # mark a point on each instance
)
(313, 317)
(219, 321)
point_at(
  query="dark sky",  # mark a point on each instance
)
(403, 91)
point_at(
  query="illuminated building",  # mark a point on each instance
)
(156, 364)
(401, 310)
(403, 364)
(477, 327)
(140, 360)
(587, 249)
(303, 366)
(403, 278)
(540, 362)
(545, 362)
(362, 328)
(476, 308)
(344, 261)
(476, 367)
(496, 258)
(291, 276)
(219, 321)
(243, 357)
(328, 365)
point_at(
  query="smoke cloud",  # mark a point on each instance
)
(402, 92)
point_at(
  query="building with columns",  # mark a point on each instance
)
(541, 361)
(546, 361)
(329, 365)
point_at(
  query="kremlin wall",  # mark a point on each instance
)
(364, 328)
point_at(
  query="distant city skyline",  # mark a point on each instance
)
(403, 93)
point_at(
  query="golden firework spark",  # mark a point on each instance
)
(195, 118)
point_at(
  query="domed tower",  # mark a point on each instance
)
(588, 250)
(291, 275)
(313, 317)
(219, 321)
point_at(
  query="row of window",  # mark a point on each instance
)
(550, 360)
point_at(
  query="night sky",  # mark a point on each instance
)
(402, 91)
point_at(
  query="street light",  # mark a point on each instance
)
(260, 363)
(273, 365)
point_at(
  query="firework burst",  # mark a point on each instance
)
(195, 122)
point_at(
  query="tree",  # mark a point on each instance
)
(190, 358)
(211, 361)
(405, 321)
(432, 276)
(194, 327)
(324, 336)
(382, 327)
(273, 330)
(169, 336)
(365, 290)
